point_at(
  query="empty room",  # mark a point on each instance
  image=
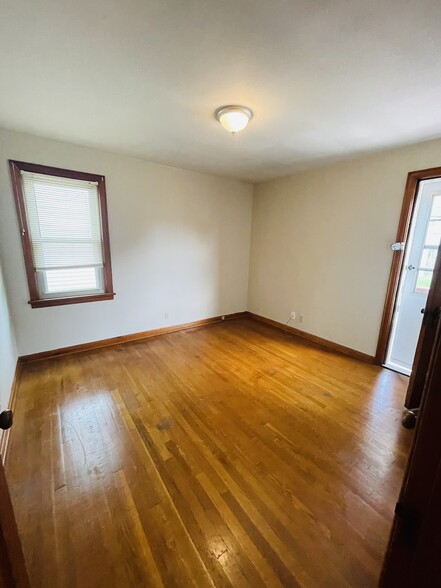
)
(220, 293)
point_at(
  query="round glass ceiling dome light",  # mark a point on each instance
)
(234, 118)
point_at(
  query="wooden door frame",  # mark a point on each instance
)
(13, 573)
(412, 557)
(414, 179)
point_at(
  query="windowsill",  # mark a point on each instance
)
(71, 300)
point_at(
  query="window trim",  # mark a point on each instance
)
(16, 167)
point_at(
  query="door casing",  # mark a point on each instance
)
(414, 179)
(412, 557)
(13, 573)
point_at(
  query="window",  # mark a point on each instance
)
(63, 222)
(430, 249)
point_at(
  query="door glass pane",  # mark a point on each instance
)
(433, 235)
(436, 206)
(428, 258)
(424, 280)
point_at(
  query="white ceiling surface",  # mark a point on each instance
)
(325, 79)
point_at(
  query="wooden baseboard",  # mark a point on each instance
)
(127, 338)
(4, 439)
(193, 325)
(314, 339)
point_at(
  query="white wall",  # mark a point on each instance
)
(321, 243)
(179, 242)
(8, 348)
(180, 245)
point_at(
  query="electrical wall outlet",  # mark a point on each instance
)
(293, 315)
(300, 318)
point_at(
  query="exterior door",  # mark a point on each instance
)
(426, 340)
(13, 572)
(413, 555)
(419, 263)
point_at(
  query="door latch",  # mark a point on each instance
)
(398, 246)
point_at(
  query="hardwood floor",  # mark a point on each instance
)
(231, 455)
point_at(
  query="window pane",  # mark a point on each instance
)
(65, 212)
(423, 282)
(433, 235)
(52, 255)
(72, 280)
(428, 258)
(64, 221)
(436, 206)
(65, 236)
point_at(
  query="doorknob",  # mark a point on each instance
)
(6, 419)
(434, 314)
(410, 267)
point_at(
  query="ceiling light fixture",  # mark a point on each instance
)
(234, 118)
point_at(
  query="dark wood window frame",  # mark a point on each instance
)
(16, 167)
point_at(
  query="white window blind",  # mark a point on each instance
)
(64, 223)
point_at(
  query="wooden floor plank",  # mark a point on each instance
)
(231, 455)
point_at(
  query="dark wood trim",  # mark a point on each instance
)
(107, 262)
(314, 338)
(17, 187)
(128, 338)
(42, 302)
(325, 343)
(4, 440)
(412, 557)
(16, 167)
(410, 195)
(13, 572)
(13, 566)
(56, 171)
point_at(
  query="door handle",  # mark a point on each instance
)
(6, 419)
(410, 267)
(434, 314)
